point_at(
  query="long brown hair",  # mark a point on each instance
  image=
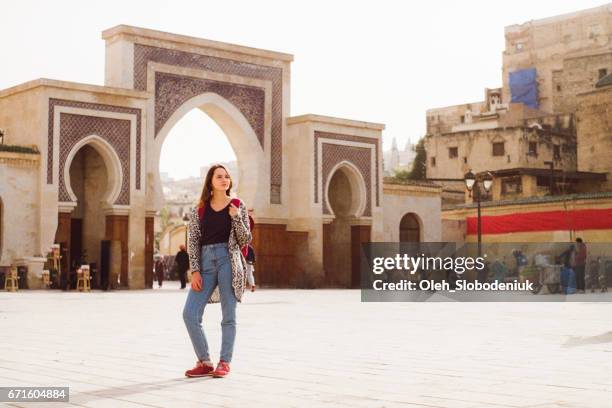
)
(207, 190)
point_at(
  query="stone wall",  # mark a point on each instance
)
(19, 214)
(422, 200)
(580, 74)
(543, 44)
(595, 132)
(475, 151)
(171, 238)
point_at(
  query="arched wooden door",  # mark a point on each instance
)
(410, 228)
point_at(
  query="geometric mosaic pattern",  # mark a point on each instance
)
(144, 53)
(93, 106)
(360, 157)
(116, 132)
(172, 91)
(336, 159)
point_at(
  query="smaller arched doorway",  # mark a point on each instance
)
(410, 228)
(87, 222)
(343, 233)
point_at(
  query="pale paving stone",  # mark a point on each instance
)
(298, 348)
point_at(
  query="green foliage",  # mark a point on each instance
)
(418, 166)
(418, 171)
(402, 175)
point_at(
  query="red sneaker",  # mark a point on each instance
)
(222, 369)
(200, 370)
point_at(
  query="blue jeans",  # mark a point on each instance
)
(216, 269)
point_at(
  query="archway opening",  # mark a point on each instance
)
(410, 228)
(205, 129)
(191, 146)
(343, 235)
(89, 182)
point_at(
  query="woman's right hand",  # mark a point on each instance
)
(196, 281)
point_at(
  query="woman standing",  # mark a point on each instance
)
(218, 229)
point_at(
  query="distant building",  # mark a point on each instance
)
(530, 122)
(396, 160)
(544, 136)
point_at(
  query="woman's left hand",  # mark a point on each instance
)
(233, 210)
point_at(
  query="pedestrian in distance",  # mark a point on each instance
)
(580, 259)
(160, 270)
(182, 264)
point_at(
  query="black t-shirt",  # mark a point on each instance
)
(216, 225)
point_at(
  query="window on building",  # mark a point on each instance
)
(533, 148)
(433, 162)
(557, 152)
(465, 160)
(498, 149)
(558, 87)
(462, 118)
(594, 31)
(453, 152)
(543, 181)
(602, 72)
(511, 185)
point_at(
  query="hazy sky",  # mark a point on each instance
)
(380, 61)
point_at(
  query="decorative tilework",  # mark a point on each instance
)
(144, 53)
(349, 138)
(116, 132)
(172, 91)
(93, 106)
(333, 154)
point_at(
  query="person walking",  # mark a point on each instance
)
(580, 264)
(568, 275)
(160, 270)
(218, 229)
(182, 264)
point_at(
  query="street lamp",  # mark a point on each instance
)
(185, 223)
(472, 183)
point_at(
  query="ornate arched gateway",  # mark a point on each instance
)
(152, 80)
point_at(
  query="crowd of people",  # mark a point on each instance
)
(574, 269)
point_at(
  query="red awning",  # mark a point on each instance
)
(580, 220)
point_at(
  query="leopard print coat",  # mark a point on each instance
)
(240, 235)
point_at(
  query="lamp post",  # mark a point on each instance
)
(472, 182)
(185, 223)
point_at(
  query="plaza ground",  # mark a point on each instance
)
(321, 348)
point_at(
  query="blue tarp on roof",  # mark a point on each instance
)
(524, 88)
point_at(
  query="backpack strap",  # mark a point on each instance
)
(201, 212)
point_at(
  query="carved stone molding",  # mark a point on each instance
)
(143, 54)
(94, 106)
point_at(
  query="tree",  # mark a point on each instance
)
(418, 171)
